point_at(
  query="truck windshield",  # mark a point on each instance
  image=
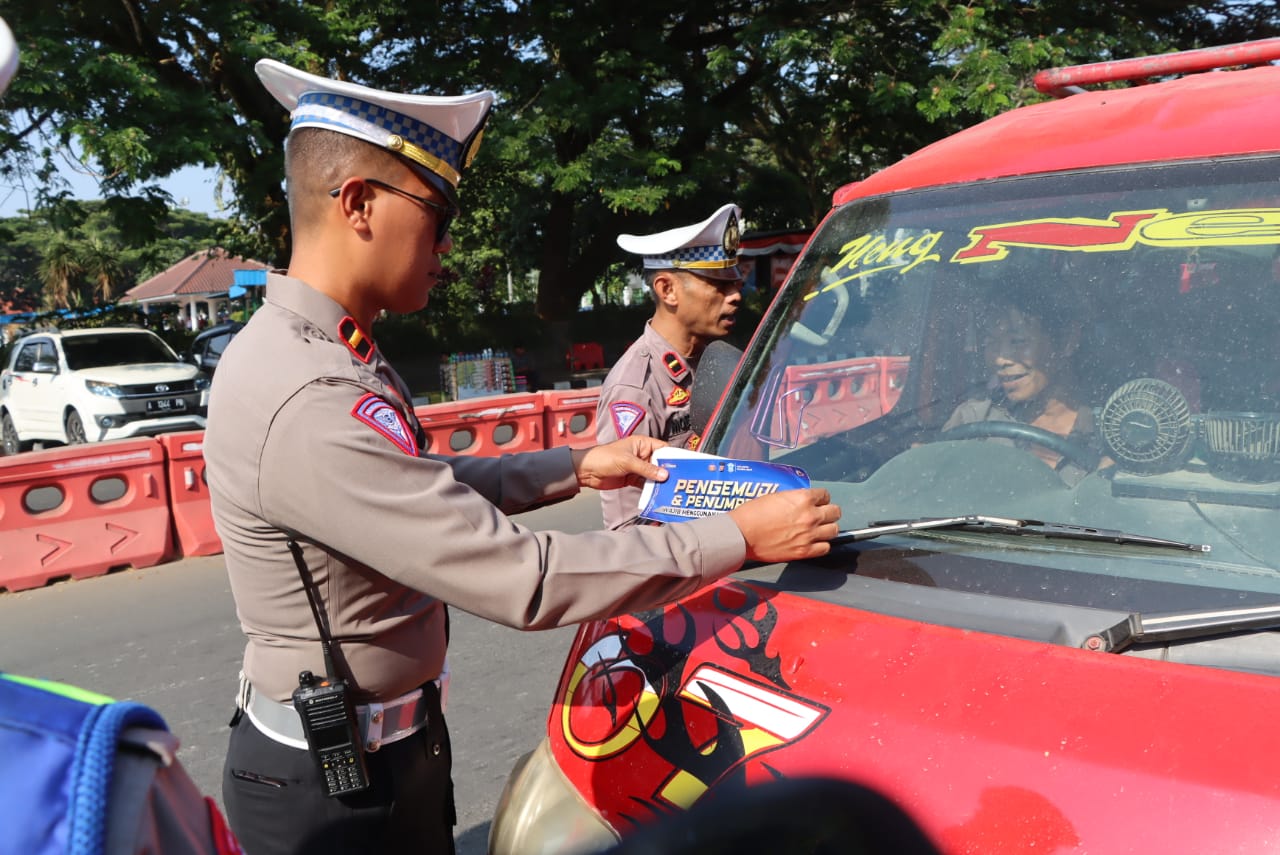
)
(1097, 349)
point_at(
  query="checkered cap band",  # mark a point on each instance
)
(374, 123)
(691, 255)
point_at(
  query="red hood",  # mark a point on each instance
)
(993, 744)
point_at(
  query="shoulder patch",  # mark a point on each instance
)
(378, 414)
(626, 415)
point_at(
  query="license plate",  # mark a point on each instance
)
(166, 405)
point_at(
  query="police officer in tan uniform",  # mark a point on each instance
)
(693, 274)
(322, 491)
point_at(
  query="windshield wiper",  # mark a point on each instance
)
(1008, 525)
(1179, 626)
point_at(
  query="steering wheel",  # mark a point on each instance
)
(829, 282)
(1083, 457)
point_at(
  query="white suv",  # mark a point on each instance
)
(88, 385)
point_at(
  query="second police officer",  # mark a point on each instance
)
(692, 273)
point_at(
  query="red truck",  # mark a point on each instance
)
(1050, 623)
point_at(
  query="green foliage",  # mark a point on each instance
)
(989, 50)
(611, 117)
(88, 253)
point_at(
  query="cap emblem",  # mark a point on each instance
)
(732, 236)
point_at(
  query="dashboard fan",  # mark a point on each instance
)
(1146, 424)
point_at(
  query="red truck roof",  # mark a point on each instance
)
(1215, 114)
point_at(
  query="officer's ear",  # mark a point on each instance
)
(354, 198)
(666, 288)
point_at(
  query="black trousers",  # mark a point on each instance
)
(276, 804)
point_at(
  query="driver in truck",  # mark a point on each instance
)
(1028, 344)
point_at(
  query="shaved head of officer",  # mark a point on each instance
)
(341, 531)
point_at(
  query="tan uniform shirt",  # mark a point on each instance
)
(647, 394)
(310, 437)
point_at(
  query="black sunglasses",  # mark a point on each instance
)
(444, 213)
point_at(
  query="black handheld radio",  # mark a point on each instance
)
(333, 733)
(327, 711)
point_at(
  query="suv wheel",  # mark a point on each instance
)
(75, 429)
(9, 436)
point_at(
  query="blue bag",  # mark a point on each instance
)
(83, 774)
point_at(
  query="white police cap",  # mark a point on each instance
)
(8, 55)
(437, 134)
(708, 248)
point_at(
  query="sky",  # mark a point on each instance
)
(192, 188)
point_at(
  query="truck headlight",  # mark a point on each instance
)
(539, 813)
(106, 390)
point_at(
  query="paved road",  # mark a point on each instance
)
(167, 636)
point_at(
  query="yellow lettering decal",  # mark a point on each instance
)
(1248, 226)
(865, 255)
(1082, 234)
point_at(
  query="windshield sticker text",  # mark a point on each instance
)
(1120, 231)
(1124, 230)
(870, 254)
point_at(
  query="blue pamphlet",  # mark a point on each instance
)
(700, 485)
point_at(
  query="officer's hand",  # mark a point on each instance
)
(788, 525)
(622, 463)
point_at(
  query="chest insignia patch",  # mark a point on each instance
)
(679, 397)
(386, 420)
(626, 416)
(694, 442)
(675, 365)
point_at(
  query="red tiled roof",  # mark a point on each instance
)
(205, 273)
(19, 300)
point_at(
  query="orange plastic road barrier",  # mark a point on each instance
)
(189, 494)
(585, 356)
(569, 417)
(831, 397)
(484, 427)
(82, 510)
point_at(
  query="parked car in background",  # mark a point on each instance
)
(1050, 624)
(206, 348)
(88, 385)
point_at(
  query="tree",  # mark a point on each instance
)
(612, 117)
(639, 117)
(78, 252)
(134, 90)
(101, 263)
(59, 268)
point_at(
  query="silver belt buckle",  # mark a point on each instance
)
(382, 724)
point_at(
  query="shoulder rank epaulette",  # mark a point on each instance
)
(675, 365)
(355, 339)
